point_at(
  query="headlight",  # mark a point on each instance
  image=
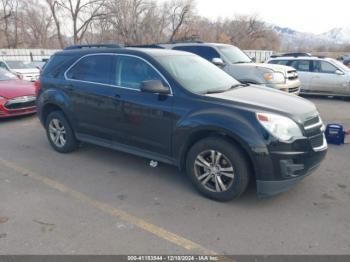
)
(274, 77)
(283, 128)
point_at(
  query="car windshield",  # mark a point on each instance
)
(6, 75)
(197, 74)
(18, 65)
(340, 65)
(234, 54)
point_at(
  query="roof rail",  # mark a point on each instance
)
(147, 46)
(186, 41)
(72, 47)
(296, 54)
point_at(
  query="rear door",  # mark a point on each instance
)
(304, 68)
(95, 101)
(326, 80)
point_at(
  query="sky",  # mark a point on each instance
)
(301, 15)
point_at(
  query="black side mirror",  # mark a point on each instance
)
(155, 87)
(253, 59)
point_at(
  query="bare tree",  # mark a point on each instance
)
(82, 13)
(37, 26)
(180, 13)
(55, 8)
(10, 21)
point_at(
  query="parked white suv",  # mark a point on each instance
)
(318, 75)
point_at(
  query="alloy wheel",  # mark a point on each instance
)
(57, 132)
(214, 171)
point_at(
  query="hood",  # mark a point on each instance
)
(273, 67)
(27, 71)
(270, 100)
(15, 88)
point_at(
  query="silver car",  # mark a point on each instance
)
(318, 75)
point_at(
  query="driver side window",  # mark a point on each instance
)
(132, 71)
(324, 67)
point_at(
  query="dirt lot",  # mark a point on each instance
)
(97, 201)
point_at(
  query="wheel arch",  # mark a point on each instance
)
(206, 133)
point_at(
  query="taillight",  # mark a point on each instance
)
(37, 85)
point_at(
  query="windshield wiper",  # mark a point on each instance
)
(242, 62)
(214, 91)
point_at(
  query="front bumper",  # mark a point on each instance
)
(293, 167)
(292, 87)
(6, 113)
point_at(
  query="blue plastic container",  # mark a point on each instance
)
(335, 134)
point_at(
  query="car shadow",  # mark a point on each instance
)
(163, 173)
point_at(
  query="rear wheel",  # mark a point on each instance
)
(218, 169)
(60, 133)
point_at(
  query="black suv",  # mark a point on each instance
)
(178, 108)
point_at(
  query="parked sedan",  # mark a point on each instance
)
(318, 75)
(22, 69)
(17, 97)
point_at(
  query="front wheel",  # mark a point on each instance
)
(218, 169)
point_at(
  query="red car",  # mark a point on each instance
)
(17, 97)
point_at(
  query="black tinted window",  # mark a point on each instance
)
(204, 51)
(133, 71)
(95, 68)
(279, 62)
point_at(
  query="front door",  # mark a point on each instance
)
(326, 80)
(147, 118)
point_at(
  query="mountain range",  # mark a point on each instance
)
(293, 38)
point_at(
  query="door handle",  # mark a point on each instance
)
(117, 97)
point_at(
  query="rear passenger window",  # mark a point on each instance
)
(95, 68)
(132, 71)
(206, 52)
(302, 65)
(282, 62)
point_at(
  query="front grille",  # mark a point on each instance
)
(312, 121)
(20, 102)
(292, 75)
(316, 141)
(314, 130)
(293, 90)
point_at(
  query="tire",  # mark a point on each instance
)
(56, 123)
(227, 179)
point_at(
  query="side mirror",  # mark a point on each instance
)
(155, 87)
(339, 72)
(254, 59)
(218, 62)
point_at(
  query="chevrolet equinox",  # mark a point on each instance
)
(176, 107)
